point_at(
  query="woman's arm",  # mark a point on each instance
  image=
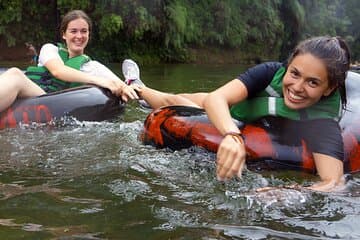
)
(59, 70)
(324, 139)
(50, 58)
(331, 172)
(231, 153)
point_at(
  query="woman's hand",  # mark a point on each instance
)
(230, 157)
(129, 92)
(330, 185)
(231, 153)
(331, 172)
(119, 88)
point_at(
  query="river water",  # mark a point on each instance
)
(97, 181)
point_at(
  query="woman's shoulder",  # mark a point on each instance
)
(48, 51)
(265, 70)
(272, 66)
(48, 48)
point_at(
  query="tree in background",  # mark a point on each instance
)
(166, 30)
(27, 21)
(352, 9)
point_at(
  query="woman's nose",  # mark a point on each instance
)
(78, 34)
(298, 85)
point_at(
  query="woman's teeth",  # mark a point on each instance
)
(295, 97)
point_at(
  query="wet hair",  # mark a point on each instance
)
(73, 15)
(335, 54)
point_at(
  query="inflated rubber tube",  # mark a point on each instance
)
(86, 103)
(178, 127)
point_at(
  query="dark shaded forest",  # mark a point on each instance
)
(186, 30)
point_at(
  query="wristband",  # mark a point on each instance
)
(237, 136)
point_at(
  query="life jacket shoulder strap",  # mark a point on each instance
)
(42, 77)
(270, 102)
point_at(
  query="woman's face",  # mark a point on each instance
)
(305, 82)
(76, 36)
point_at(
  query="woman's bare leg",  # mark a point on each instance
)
(15, 84)
(158, 99)
(155, 98)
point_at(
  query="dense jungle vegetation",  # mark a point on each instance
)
(186, 30)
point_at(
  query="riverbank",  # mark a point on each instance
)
(211, 55)
(17, 53)
(206, 55)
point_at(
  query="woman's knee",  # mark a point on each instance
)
(14, 71)
(14, 79)
(16, 76)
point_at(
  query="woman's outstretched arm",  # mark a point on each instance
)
(331, 172)
(59, 70)
(231, 153)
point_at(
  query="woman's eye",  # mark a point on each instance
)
(313, 83)
(294, 73)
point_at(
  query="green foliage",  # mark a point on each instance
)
(110, 25)
(177, 25)
(66, 5)
(22, 21)
(168, 29)
(322, 18)
(352, 10)
(293, 15)
(10, 12)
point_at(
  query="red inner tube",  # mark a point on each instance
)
(177, 127)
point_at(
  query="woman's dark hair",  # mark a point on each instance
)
(73, 15)
(335, 54)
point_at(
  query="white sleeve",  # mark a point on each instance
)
(48, 51)
(95, 68)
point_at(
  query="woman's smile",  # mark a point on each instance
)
(305, 82)
(294, 97)
(76, 36)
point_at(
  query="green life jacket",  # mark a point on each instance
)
(270, 102)
(42, 77)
